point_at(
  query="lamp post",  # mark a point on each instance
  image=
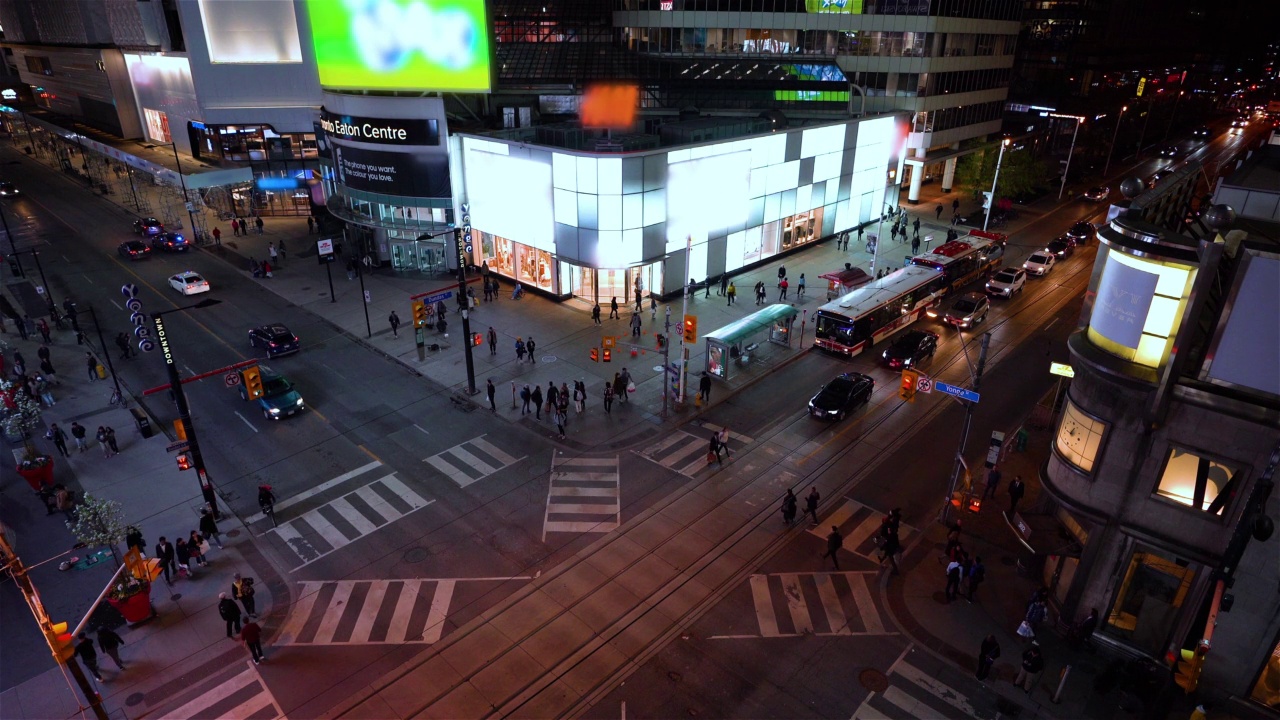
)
(465, 304)
(180, 397)
(106, 353)
(1070, 153)
(1114, 135)
(992, 200)
(186, 199)
(1173, 114)
(1143, 135)
(44, 284)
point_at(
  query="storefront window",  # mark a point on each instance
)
(1079, 437)
(1267, 689)
(1199, 482)
(1150, 595)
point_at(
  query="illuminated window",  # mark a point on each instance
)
(1079, 437)
(1154, 587)
(1198, 482)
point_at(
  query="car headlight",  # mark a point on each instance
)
(274, 411)
(299, 402)
(833, 412)
(968, 318)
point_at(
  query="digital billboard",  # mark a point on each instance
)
(415, 175)
(851, 7)
(401, 44)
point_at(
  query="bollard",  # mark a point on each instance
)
(1062, 684)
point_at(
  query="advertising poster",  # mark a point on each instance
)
(401, 44)
(1124, 299)
(851, 7)
(390, 173)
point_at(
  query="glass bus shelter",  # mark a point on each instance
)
(734, 343)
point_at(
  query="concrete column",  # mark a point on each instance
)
(913, 194)
(948, 174)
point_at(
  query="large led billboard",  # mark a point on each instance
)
(401, 44)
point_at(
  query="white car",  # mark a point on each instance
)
(1040, 263)
(1007, 282)
(189, 283)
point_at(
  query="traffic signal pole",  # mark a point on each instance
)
(184, 410)
(465, 303)
(964, 435)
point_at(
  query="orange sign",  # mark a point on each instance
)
(609, 106)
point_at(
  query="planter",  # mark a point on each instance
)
(135, 608)
(37, 473)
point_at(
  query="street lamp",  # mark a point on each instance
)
(180, 397)
(1070, 153)
(992, 200)
(1114, 135)
(182, 180)
(1173, 114)
(1143, 135)
(464, 303)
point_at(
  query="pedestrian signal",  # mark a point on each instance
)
(691, 328)
(60, 641)
(1191, 662)
(419, 314)
(184, 462)
(595, 354)
(252, 382)
(608, 355)
(477, 339)
(910, 379)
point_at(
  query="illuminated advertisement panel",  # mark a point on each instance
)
(401, 44)
(706, 195)
(392, 173)
(250, 31)
(1138, 306)
(510, 196)
(851, 7)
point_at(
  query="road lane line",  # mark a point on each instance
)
(251, 427)
(295, 499)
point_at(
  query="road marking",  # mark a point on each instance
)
(295, 499)
(574, 480)
(833, 591)
(424, 432)
(255, 706)
(246, 421)
(389, 612)
(459, 463)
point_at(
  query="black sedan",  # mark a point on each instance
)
(8, 189)
(134, 250)
(1083, 232)
(148, 226)
(1063, 247)
(275, 339)
(910, 348)
(173, 242)
(841, 395)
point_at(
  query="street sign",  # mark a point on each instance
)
(924, 384)
(232, 379)
(181, 445)
(324, 250)
(954, 391)
(438, 297)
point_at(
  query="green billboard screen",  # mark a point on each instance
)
(401, 44)
(850, 7)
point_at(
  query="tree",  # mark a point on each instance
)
(100, 523)
(1020, 173)
(23, 416)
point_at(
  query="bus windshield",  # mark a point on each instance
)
(840, 330)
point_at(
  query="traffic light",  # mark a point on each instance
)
(595, 354)
(908, 390)
(477, 339)
(608, 355)
(691, 328)
(1189, 667)
(419, 314)
(252, 382)
(184, 462)
(60, 641)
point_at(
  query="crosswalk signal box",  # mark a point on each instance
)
(910, 379)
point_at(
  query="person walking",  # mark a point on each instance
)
(595, 313)
(493, 341)
(993, 482)
(580, 396)
(953, 579)
(789, 505)
(835, 541)
(1016, 490)
(800, 287)
(628, 386)
(492, 393)
(209, 527)
(122, 342)
(59, 439)
(713, 452)
(608, 398)
(258, 223)
(811, 504)
(530, 345)
(732, 293)
(311, 224)
(536, 399)
(101, 437)
(133, 540)
(230, 612)
(194, 546)
(561, 418)
(91, 364)
(937, 211)
(782, 289)
(1032, 666)
(43, 327)
(394, 321)
(242, 590)
(916, 226)
(1037, 612)
(251, 636)
(88, 657)
(890, 547)
(281, 248)
(653, 308)
(977, 573)
(520, 350)
(78, 433)
(217, 236)
(271, 252)
(111, 440)
(183, 551)
(553, 397)
(635, 324)
(613, 309)
(235, 227)
(619, 387)
(525, 397)
(987, 653)
(110, 643)
(165, 554)
(704, 388)
(915, 245)
(955, 206)
(724, 284)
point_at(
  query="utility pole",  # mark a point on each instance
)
(991, 201)
(684, 310)
(964, 437)
(1071, 152)
(666, 361)
(1111, 148)
(17, 263)
(465, 303)
(1150, 107)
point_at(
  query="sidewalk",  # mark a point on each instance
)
(156, 498)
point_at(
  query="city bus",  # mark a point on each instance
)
(855, 322)
(966, 259)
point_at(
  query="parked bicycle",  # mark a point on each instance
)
(118, 398)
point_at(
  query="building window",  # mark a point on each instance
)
(1267, 689)
(1079, 437)
(1198, 482)
(1151, 592)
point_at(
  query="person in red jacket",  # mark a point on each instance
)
(251, 635)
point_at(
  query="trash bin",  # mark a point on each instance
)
(144, 423)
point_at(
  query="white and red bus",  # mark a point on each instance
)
(855, 322)
(965, 259)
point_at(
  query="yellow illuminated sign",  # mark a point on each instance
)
(1062, 369)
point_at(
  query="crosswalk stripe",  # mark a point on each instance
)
(584, 509)
(207, 704)
(604, 462)
(585, 492)
(576, 479)
(476, 463)
(796, 604)
(399, 627)
(353, 516)
(464, 467)
(764, 606)
(222, 690)
(667, 442)
(439, 608)
(292, 538)
(866, 605)
(864, 530)
(292, 533)
(299, 613)
(581, 526)
(935, 688)
(837, 518)
(325, 529)
(400, 490)
(250, 708)
(836, 620)
(373, 601)
(868, 712)
(334, 611)
(493, 452)
(449, 471)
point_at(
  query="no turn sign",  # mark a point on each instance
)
(232, 379)
(924, 384)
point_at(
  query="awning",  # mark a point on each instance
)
(757, 322)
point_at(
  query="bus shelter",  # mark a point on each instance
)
(736, 342)
(843, 282)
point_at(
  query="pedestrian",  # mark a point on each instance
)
(890, 547)
(209, 527)
(524, 400)
(122, 342)
(242, 590)
(251, 636)
(183, 552)
(519, 350)
(92, 364)
(59, 439)
(88, 657)
(993, 482)
(989, 651)
(65, 503)
(536, 399)
(800, 287)
(258, 222)
(653, 308)
(311, 224)
(713, 452)
(43, 327)
(133, 539)
(704, 387)
(166, 556)
(30, 325)
(955, 220)
(1016, 491)
(835, 541)
(101, 437)
(281, 248)
(493, 341)
(619, 387)
(1032, 666)
(628, 386)
(613, 309)
(953, 580)
(230, 612)
(789, 503)
(635, 324)
(732, 292)
(724, 284)
(530, 345)
(111, 440)
(22, 328)
(937, 211)
(782, 289)
(977, 573)
(78, 433)
(580, 396)
(195, 546)
(271, 252)
(955, 206)
(561, 419)
(707, 286)
(916, 226)
(492, 392)
(217, 236)
(915, 245)
(266, 268)
(110, 643)
(235, 227)
(553, 397)
(608, 398)
(782, 272)
(595, 313)
(811, 504)
(394, 320)
(45, 390)
(1036, 615)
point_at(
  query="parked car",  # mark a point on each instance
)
(1039, 264)
(148, 226)
(968, 310)
(189, 283)
(910, 348)
(275, 339)
(279, 397)
(133, 250)
(1007, 283)
(1097, 193)
(172, 242)
(835, 399)
(1062, 247)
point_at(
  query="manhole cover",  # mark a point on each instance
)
(416, 555)
(175, 597)
(134, 699)
(548, 358)
(873, 680)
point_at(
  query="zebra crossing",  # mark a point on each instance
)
(341, 522)
(859, 525)
(473, 460)
(917, 693)
(368, 612)
(584, 496)
(242, 694)
(686, 453)
(814, 603)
